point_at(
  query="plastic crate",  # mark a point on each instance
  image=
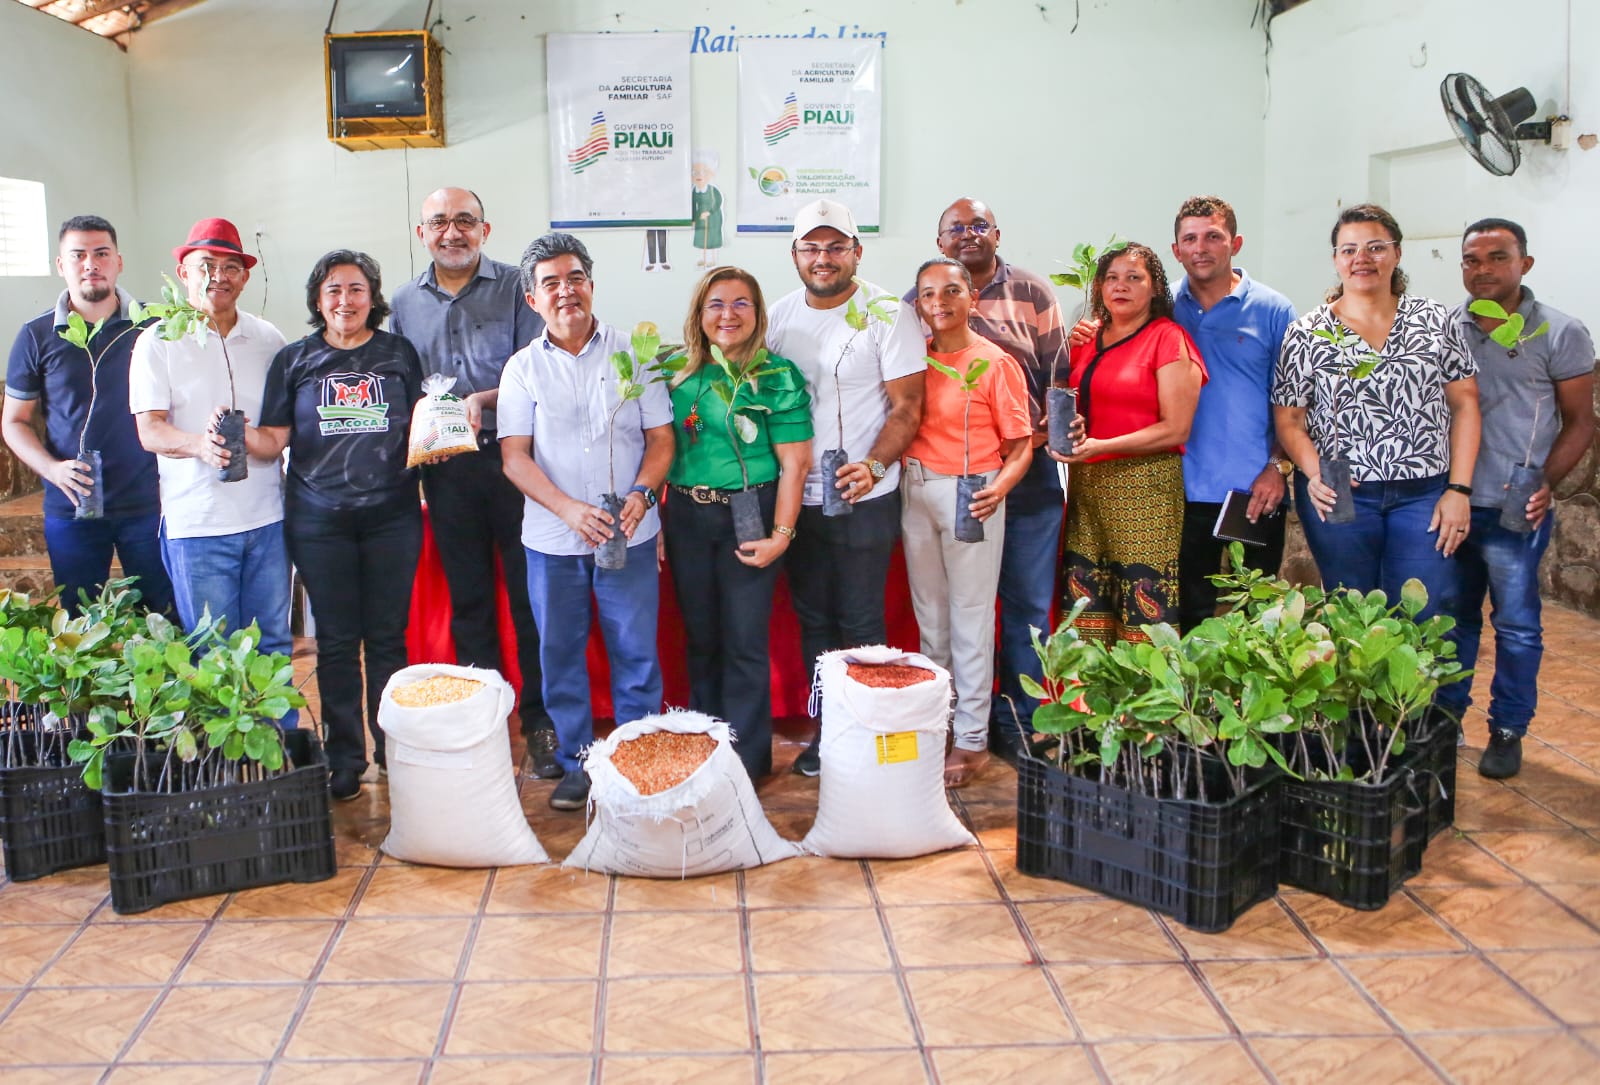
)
(49, 821)
(1204, 864)
(1356, 843)
(1438, 764)
(167, 847)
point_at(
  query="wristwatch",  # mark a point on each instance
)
(878, 470)
(1285, 466)
(647, 493)
(1459, 488)
(785, 530)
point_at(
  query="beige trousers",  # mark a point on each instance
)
(953, 587)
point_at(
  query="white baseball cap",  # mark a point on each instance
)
(825, 213)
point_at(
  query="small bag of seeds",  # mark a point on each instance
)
(439, 426)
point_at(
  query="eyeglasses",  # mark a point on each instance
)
(976, 229)
(231, 270)
(838, 250)
(464, 222)
(576, 281)
(740, 307)
(1374, 249)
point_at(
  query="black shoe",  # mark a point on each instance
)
(542, 763)
(1503, 758)
(809, 763)
(344, 784)
(572, 793)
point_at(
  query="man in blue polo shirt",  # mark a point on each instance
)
(1239, 325)
(84, 398)
(1537, 398)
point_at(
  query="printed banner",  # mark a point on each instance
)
(810, 125)
(619, 130)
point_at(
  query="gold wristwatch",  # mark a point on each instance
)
(878, 470)
(1284, 465)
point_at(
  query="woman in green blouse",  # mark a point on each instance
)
(743, 423)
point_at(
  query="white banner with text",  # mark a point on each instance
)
(619, 130)
(810, 125)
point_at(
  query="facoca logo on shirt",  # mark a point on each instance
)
(353, 403)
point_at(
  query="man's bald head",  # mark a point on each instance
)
(969, 233)
(453, 229)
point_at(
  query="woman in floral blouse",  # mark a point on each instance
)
(1409, 427)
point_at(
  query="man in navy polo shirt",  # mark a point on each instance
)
(1238, 325)
(84, 397)
(1537, 398)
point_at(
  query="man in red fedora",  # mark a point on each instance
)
(222, 541)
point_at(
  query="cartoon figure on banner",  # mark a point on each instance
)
(655, 251)
(706, 206)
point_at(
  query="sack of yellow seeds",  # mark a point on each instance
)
(439, 426)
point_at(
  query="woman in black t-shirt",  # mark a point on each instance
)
(340, 399)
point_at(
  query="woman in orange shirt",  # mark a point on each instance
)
(986, 433)
(1138, 382)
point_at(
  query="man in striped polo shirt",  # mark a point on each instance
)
(1016, 310)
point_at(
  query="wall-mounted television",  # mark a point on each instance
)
(385, 89)
(379, 75)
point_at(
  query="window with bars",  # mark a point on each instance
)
(24, 232)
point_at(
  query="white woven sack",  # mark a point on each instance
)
(452, 787)
(882, 792)
(710, 823)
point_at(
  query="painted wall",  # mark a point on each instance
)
(1355, 115)
(979, 97)
(65, 123)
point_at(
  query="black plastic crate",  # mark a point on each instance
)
(49, 821)
(1356, 843)
(1204, 864)
(1437, 765)
(167, 847)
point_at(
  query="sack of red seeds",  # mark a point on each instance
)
(672, 799)
(439, 426)
(884, 717)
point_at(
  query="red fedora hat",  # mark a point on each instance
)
(214, 235)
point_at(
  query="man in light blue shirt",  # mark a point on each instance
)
(1238, 324)
(556, 404)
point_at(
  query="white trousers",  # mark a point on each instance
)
(953, 587)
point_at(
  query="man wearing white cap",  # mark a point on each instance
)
(866, 398)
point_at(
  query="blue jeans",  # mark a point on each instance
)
(80, 556)
(1505, 565)
(559, 590)
(242, 578)
(1387, 544)
(1028, 561)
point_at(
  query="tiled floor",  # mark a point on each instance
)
(952, 968)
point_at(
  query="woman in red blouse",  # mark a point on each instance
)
(1138, 382)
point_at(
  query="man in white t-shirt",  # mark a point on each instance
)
(222, 542)
(866, 398)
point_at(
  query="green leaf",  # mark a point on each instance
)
(1413, 597)
(1031, 688)
(1489, 308)
(975, 370)
(948, 371)
(854, 317)
(1066, 278)
(746, 428)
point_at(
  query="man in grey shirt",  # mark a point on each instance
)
(466, 315)
(1537, 399)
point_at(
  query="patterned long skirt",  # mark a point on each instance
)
(1124, 529)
